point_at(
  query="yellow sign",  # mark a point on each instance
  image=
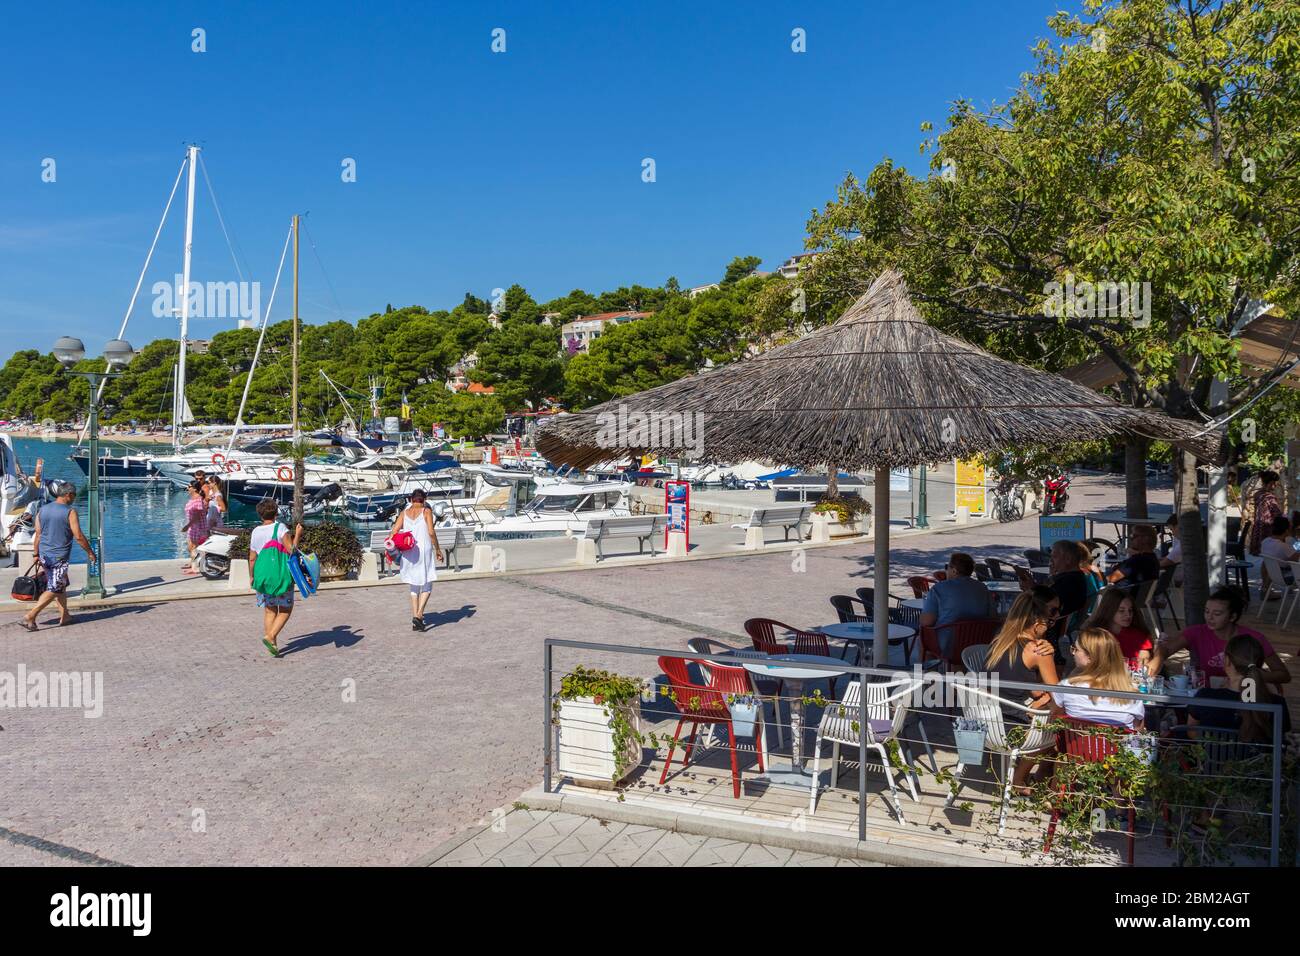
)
(970, 497)
(969, 473)
(969, 490)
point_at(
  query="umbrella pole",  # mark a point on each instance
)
(880, 613)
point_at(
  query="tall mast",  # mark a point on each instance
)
(178, 400)
(295, 328)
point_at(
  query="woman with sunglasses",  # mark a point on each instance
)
(1022, 653)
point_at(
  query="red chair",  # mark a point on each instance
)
(707, 704)
(762, 631)
(919, 584)
(940, 575)
(964, 634)
(1083, 740)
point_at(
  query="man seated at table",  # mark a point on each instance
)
(961, 597)
(1069, 582)
(1278, 546)
(1141, 565)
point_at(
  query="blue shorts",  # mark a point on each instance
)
(279, 602)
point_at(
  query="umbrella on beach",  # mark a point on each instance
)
(878, 389)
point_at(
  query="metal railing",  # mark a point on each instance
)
(937, 680)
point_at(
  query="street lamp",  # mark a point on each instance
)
(117, 355)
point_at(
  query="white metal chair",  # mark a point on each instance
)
(704, 645)
(1295, 576)
(887, 705)
(1278, 579)
(988, 708)
(973, 658)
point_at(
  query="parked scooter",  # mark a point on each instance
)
(1055, 493)
(213, 555)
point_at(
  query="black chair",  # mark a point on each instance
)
(1038, 559)
(908, 617)
(1163, 584)
(982, 573)
(845, 607)
(868, 597)
(998, 571)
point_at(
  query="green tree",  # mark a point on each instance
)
(521, 361)
(740, 268)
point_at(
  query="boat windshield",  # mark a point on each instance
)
(554, 503)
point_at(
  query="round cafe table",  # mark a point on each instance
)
(916, 604)
(1004, 592)
(863, 633)
(785, 667)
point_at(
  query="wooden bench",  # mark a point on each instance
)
(784, 517)
(642, 527)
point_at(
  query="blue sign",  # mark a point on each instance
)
(1053, 528)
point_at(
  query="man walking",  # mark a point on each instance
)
(57, 526)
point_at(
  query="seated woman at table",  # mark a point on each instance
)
(1117, 614)
(1021, 652)
(1141, 565)
(1208, 642)
(1099, 664)
(1243, 665)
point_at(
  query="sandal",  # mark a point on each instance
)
(64, 622)
(275, 651)
(30, 625)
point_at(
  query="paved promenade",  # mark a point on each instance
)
(366, 743)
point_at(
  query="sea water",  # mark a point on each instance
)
(142, 519)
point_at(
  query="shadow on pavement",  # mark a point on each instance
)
(341, 635)
(438, 618)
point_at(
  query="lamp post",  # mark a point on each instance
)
(117, 355)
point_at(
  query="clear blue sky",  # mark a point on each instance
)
(474, 170)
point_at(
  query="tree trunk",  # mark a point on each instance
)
(1196, 576)
(1135, 477)
(833, 480)
(298, 478)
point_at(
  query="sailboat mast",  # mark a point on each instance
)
(295, 328)
(178, 400)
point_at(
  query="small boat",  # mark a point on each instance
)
(123, 467)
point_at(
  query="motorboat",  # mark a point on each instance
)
(121, 467)
(559, 510)
(20, 499)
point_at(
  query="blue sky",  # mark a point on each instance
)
(474, 170)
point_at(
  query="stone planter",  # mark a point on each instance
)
(334, 572)
(586, 742)
(835, 528)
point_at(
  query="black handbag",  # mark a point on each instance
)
(29, 586)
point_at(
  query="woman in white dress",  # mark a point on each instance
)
(419, 563)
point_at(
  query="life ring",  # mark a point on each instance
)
(233, 465)
(284, 474)
(217, 458)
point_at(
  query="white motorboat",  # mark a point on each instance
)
(19, 500)
(559, 510)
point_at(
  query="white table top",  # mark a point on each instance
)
(914, 603)
(864, 631)
(1003, 587)
(785, 666)
(1102, 517)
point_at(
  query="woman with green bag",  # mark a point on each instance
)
(269, 548)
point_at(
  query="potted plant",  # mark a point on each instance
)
(335, 544)
(337, 547)
(844, 515)
(599, 716)
(744, 713)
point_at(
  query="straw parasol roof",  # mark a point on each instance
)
(879, 388)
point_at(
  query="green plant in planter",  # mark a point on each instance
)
(615, 693)
(335, 545)
(846, 509)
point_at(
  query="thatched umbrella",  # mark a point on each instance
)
(878, 389)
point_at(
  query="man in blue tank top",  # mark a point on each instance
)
(57, 527)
